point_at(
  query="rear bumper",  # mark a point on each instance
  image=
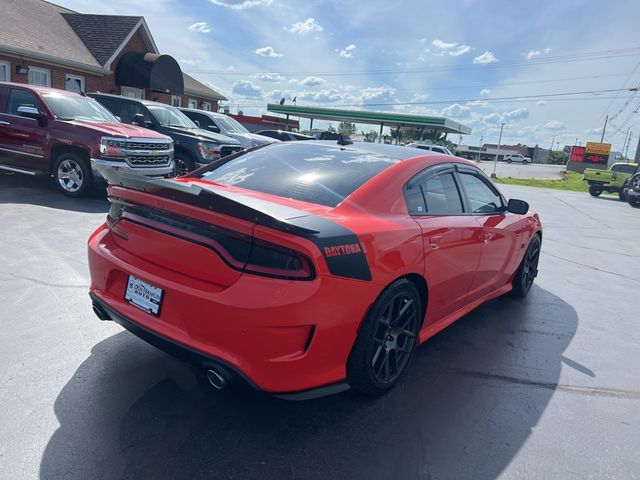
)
(98, 164)
(200, 360)
(284, 337)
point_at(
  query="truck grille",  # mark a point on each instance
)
(227, 150)
(145, 161)
(143, 153)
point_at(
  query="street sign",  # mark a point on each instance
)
(577, 154)
(597, 152)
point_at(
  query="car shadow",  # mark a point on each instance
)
(40, 190)
(467, 405)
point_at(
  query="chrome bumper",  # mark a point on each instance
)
(162, 171)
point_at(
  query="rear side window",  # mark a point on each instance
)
(318, 174)
(21, 98)
(441, 195)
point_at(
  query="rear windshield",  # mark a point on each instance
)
(624, 168)
(319, 174)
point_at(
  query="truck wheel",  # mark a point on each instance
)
(595, 190)
(622, 196)
(633, 202)
(508, 160)
(524, 162)
(386, 341)
(72, 174)
(528, 269)
(183, 164)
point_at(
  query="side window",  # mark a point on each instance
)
(482, 198)
(112, 105)
(441, 195)
(21, 98)
(623, 168)
(129, 110)
(203, 120)
(283, 136)
(437, 149)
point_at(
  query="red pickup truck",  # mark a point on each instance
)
(70, 136)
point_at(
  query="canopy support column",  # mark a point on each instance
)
(311, 124)
(380, 136)
(398, 135)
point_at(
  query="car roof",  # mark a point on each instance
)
(204, 112)
(128, 99)
(40, 89)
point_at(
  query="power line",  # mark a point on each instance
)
(586, 56)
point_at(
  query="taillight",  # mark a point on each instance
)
(240, 252)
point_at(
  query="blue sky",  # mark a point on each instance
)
(416, 56)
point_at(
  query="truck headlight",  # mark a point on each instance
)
(112, 147)
(209, 150)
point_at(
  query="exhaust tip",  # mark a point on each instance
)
(100, 313)
(216, 379)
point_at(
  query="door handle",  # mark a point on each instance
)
(2, 122)
(435, 241)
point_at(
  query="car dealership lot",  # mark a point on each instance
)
(543, 388)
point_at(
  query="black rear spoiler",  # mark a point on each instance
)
(268, 214)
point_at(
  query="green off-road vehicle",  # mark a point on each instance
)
(611, 181)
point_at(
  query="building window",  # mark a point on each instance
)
(132, 92)
(5, 72)
(74, 83)
(176, 100)
(192, 103)
(206, 106)
(40, 76)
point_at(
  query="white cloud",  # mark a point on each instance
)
(492, 118)
(247, 89)
(485, 58)
(308, 26)
(268, 77)
(268, 52)
(330, 95)
(200, 27)
(517, 114)
(189, 61)
(541, 103)
(553, 125)
(532, 54)
(242, 5)
(485, 92)
(377, 94)
(348, 51)
(453, 49)
(456, 111)
(312, 82)
(547, 50)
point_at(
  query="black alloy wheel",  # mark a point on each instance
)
(183, 164)
(528, 270)
(386, 340)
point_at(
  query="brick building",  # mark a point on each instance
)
(45, 44)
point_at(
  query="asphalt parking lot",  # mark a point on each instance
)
(542, 388)
(518, 170)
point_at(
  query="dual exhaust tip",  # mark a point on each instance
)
(217, 377)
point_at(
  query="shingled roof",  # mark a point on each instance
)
(194, 87)
(102, 34)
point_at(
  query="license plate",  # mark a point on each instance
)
(143, 295)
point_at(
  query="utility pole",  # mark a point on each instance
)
(480, 149)
(626, 149)
(551, 147)
(636, 157)
(495, 160)
(604, 129)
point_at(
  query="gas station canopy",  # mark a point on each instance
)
(393, 120)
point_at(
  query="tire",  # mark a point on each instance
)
(183, 164)
(72, 175)
(386, 341)
(595, 190)
(509, 160)
(524, 162)
(528, 269)
(634, 202)
(622, 196)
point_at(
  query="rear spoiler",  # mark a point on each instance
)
(340, 247)
(268, 214)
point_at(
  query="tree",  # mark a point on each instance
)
(331, 129)
(347, 128)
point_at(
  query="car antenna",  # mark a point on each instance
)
(344, 140)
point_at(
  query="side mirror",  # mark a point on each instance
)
(138, 119)
(214, 128)
(519, 207)
(118, 118)
(197, 123)
(33, 113)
